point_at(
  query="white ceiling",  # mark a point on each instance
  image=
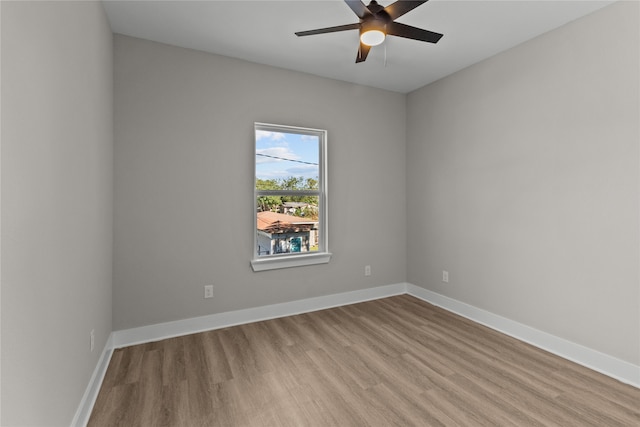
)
(262, 31)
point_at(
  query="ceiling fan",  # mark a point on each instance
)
(376, 22)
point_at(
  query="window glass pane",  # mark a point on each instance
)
(287, 224)
(286, 160)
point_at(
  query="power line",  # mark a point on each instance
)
(288, 160)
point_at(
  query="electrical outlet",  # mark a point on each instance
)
(367, 270)
(445, 276)
(208, 291)
(92, 339)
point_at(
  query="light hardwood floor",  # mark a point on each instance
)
(392, 362)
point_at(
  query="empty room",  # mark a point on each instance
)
(314, 213)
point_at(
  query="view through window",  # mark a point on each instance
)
(290, 199)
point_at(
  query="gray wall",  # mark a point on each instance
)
(522, 182)
(57, 186)
(184, 182)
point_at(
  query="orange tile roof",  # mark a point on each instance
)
(273, 222)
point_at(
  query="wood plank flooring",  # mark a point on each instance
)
(392, 362)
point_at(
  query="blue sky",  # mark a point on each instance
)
(281, 155)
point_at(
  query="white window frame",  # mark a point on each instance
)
(322, 256)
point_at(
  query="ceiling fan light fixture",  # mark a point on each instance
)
(372, 37)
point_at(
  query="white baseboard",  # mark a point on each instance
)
(619, 369)
(623, 371)
(83, 413)
(176, 328)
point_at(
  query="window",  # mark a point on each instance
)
(290, 195)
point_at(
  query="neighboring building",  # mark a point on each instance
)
(281, 233)
(291, 207)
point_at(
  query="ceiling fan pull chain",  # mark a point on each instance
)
(385, 55)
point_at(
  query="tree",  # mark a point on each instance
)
(267, 203)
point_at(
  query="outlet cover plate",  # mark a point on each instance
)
(208, 291)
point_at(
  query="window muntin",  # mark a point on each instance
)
(290, 197)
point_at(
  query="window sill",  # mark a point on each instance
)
(287, 261)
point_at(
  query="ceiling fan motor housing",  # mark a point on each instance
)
(378, 22)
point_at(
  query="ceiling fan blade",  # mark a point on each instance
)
(358, 8)
(328, 30)
(409, 32)
(363, 51)
(399, 8)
